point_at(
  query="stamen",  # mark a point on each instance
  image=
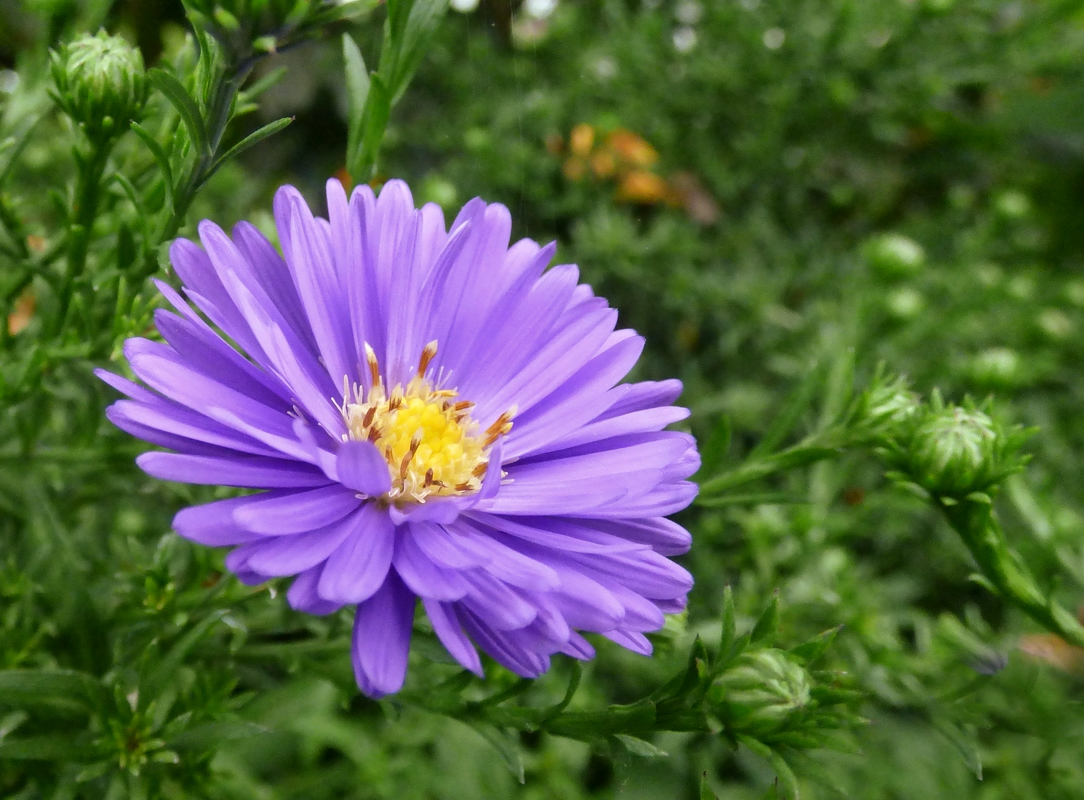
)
(374, 365)
(426, 435)
(427, 355)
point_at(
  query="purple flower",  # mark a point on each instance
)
(432, 415)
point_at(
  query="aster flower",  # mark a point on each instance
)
(431, 414)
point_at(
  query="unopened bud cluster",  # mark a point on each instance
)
(952, 451)
(100, 83)
(885, 408)
(242, 25)
(762, 693)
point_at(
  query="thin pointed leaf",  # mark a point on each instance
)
(768, 622)
(506, 747)
(785, 422)
(58, 688)
(639, 747)
(375, 122)
(782, 770)
(752, 499)
(713, 452)
(159, 156)
(705, 790)
(178, 96)
(726, 641)
(270, 129)
(357, 94)
(817, 646)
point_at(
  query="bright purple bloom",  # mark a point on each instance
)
(431, 415)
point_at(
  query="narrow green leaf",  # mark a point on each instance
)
(375, 122)
(49, 747)
(270, 129)
(506, 747)
(68, 689)
(640, 747)
(209, 736)
(180, 649)
(178, 96)
(357, 94)
(768, 622)
(726, 641)
(421, 24)
(785, 422)
(714, 450)
(789, 783)
(752, 499)
(817, 646)
(159, 156)
(966, 741)
(705, 790)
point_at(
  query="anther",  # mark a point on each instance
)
(374, 365)
(427, 355)
(367, 420)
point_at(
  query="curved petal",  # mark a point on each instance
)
(381, 640)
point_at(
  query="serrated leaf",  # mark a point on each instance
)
(180, 99)
(640, 747)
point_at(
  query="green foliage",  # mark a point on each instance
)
(780, 196)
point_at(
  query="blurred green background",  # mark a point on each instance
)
(759, 186)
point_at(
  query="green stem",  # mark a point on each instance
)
(227, 86)
(1005, 571)
(817, 447)
(87, 192)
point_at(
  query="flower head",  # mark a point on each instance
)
(100, 83)
(431, 414)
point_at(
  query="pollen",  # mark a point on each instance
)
(431, 443)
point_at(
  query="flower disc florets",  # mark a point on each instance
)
(506, 478)
(427, 436)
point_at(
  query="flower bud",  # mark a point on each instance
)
(894, 255)
(884, 407)
(758, 695)
(244, 25)
(100, 83)
(955, 451)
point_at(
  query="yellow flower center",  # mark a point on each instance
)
(427, 436)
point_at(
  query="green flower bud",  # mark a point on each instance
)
(996, 367)
(894, 255)
(100, 83)
(954, 451)
(762, 692)
(886, 406)
(243, 26)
